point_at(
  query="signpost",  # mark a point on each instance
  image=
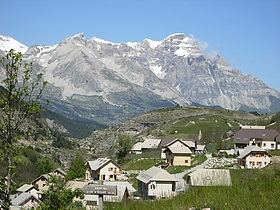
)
(100, 190)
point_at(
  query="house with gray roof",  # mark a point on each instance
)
(177, 153)
(253, 157)
(156, 183)
(25, 201)
(168, 142)
(124, 192)
(41, 181)
(201, 149)
(268, 139)
(191, 143)
(147, 145)
(137, 148)
(27, 188)
(102, 169)
(209, 177)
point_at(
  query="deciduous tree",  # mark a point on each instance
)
(58, 196)
(124, 145)
(19, 99)
(77, 168)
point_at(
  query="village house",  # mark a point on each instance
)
(209, 177)
(124, 192)
(27, 188)
(25, 201)
(268, 139)
(147, 145)
(137, 148)
(253, 157)
(201, 149)
(167, 142)
(177, 153)
(178, 156)
(156, 183)
(41, 181)
(102, 169)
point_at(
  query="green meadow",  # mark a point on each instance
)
(251, 189)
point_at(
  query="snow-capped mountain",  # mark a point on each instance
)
(109, 82)
(7, 43)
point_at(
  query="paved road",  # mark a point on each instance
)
(179, 176)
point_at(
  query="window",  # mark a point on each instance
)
(272, 145)
(263, 134)
(245, 139)
(238, 139)
(153, 186)
(264, 144)
(110, 169)
(186, 161)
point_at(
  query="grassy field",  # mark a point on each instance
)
(251, 189)
(198, 159)
(192, 125)
(140, 164)
(141, 161)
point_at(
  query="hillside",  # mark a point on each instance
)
(214, 123)
(48, 147)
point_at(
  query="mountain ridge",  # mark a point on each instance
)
(109, 82)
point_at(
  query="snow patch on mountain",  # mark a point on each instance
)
(157, 71)
(102, 41)
(40, 53)
(153, 44)
(7, 43)
(132, 44)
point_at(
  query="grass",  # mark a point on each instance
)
(251, 189)
(192, 125)
(140, 164)
(198, 159)
(275, 152)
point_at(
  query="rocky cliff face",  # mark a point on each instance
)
(108, 82)
(207, 79)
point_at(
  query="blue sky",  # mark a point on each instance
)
(245, 32)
